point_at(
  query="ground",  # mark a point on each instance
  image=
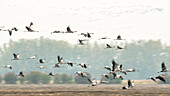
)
(84, 90)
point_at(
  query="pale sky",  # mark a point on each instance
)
(132, 19)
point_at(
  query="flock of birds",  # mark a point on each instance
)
(80, 41)
(114, 70)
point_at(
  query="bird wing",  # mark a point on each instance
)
(161, 78)
(163, 66)
(108, 46)
(59, 59)
(118, 47)
(153, 79)
(28, 28)
(30, 25)
(114, 75)
(85, 66)
(89, 80)
(119, 37)
(120, 67)
(21, 73)
(40, 61)
(114, 65)
(124, 72)
(121, 77)
(10, 33)
(71, 64)
(15, 55)
(107, 76)
(14, 28)
(68, 29)
(88, 35)
(129, 83)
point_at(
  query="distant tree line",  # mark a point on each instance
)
(36, 77)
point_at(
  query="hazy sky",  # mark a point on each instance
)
(133, 19)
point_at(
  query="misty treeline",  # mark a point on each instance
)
(145, 56)
(36, 77)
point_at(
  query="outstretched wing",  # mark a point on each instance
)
(21, 73)
(119, 37)
(114, 65)
(129, 83)
(152, 78)
(31, 24)
(10, 33)
(59, 59)
(118, 47)
(108, 68)
(89, 80)
(108, 46)
(15, 55)
(163, 67)
(88, 35)
(161, 78)
(68, 29)
(120, 67)
(28, 28)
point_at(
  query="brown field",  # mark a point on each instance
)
(84, 90)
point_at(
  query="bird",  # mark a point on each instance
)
(121, 69)
(69, 30)
(81, 41)
(57, 32)
(83, 65)
(115, 66)
(119, 38)
(125, 87)
(10, 30)
(8, 66)
(108, 68)
(42, 60)
(70, 63)
(152, 78)
(82, 74)
(116, 76)
(93, 82)
(57, 65)
(32, 57)
(50, 74)
(16, 56)
(163, 67)
(131, 70)
(133, 84)
(41, 67)
(60, 59)
(161, 77)
(86, 34)
(103, 38)
(105, 75)
(109, 46)
(103, 81)
(118, 47)
(21, 74)
(29, 29)
(130, 84)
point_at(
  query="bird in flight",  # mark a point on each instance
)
(163, 67)
(29, 28)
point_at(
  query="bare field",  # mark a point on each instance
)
(83, 90)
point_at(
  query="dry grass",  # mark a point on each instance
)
(83, 90)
